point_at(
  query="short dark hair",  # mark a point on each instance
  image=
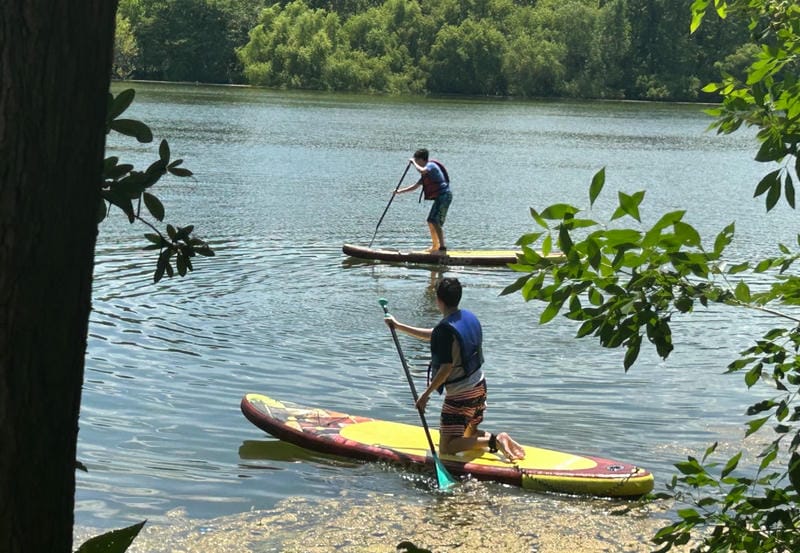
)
(449, 291)
(422, 153)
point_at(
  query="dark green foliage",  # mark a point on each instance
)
(127, 189)
(578, 48)
(188, 40)
(467, 59)
(116, 541)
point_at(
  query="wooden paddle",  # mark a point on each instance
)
(443, 478)
(396, 188)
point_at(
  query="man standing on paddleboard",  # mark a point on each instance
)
(435, 183)
(456, 360)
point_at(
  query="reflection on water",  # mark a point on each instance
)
(282, 180)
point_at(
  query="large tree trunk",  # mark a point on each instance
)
(55, 60)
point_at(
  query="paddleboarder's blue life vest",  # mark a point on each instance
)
(470, 338)
(433, 185)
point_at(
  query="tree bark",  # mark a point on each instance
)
(55, 60)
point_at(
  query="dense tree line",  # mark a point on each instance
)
(638, 49)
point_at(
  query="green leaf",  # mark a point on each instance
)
(549, 312)
(772, 149)
(687, 234)
(689, 514)
(558, 211)
(684, 304)
(732, 463)
(547, 245)
(742, 292)
(598, 181)
(754, 425)
(116, 541)
(517, 285)
(595, 297)
(740, 267)
(530, 238)
(617, 237)
(593, 253)
(564, 240)
(788, 190)
(131, 127)
(698, 12)
(689, 467)
(538, 218)
(773, 196)
(768, 182)
(181, 263)
(752, 376)
(630, 204)
(710, 449)
(180, 172)
(632, 352)
(154, 206)
(723, 239)
(794, 471)
(119, 104)
(163, 151)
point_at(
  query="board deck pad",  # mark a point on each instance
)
(371, 439)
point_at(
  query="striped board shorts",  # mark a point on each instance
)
(462, 410)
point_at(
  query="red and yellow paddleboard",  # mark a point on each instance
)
(376, 440)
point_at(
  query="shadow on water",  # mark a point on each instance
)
(278, 450)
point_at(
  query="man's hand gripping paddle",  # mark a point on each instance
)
(443, 478)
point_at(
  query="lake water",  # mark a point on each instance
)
(282, 180)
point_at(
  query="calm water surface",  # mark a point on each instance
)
(282, 180)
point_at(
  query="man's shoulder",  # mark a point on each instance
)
(442, 329)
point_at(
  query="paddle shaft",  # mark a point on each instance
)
(411, 384)
(396, 188)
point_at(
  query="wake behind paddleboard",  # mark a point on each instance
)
(371, 439)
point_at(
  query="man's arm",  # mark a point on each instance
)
(415, 331)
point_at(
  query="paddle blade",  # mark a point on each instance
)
(444, 479)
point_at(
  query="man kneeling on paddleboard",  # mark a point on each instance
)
(456, 360)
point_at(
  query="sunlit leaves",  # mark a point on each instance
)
(598, 181)
(698, 13)
(629, 205)
(723, 239)
(619, 310)
(758, 512)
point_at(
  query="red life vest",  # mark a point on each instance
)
(430, 187)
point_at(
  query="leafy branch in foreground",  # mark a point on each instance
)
(127, 189)
(625, 284)
(622, 285)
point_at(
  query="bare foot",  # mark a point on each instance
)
(509, 447)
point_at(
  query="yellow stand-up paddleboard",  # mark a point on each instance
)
(376, 440)
(489, 258)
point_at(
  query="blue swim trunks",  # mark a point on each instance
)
(438, 211)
